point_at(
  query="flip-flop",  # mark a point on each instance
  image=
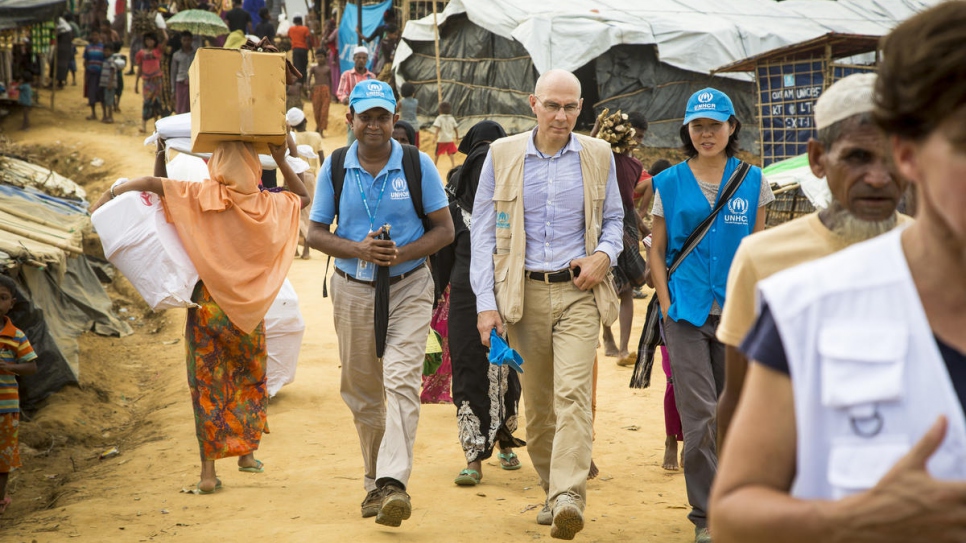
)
(212, 491)
(507, 459)
(468, 477)
(257, 468)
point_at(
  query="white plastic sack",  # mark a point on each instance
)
(187, 168)
(146, 248)
(174, 126)
(284, 328)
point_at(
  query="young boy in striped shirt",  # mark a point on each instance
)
(17, 357)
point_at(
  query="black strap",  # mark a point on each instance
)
(412, 169)
(731, 187)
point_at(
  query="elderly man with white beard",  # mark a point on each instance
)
(852, 153)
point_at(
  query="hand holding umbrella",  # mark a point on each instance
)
(381, 304)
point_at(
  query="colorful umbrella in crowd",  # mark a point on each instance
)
(198, 22)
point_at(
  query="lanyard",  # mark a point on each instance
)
(365, 200)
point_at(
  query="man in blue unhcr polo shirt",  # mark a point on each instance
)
(383, 394)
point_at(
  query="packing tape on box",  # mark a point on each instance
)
(246, 110)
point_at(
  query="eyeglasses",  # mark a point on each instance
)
(554, 107)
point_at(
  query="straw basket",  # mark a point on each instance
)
(790, 203)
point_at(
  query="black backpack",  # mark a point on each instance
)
(412, 169)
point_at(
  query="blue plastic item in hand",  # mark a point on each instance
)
(501, 353)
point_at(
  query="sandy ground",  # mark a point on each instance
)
(134, 395)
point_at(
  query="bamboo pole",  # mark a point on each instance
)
(28, 217)
(53, 81)
(439, 76)
(41, 239)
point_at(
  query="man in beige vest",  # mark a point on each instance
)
(546, 230)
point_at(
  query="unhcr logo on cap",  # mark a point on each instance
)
(705, 97)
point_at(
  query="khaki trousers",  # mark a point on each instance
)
(557, 337)
(383, 395)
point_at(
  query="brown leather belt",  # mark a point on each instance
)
(392, 280)
(551, 277)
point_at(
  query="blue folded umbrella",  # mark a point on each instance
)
(501, 353)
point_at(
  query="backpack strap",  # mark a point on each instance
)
(413, 170)
(338, 181)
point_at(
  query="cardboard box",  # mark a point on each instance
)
(237, 96)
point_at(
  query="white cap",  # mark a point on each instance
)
(360, 49)
(846, 97)
(294, 116)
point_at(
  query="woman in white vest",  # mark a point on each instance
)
(692, 295)
(857, 389)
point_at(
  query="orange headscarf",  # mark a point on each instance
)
(240, 239)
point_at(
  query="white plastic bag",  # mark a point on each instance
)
(146, 248)
(284, 328)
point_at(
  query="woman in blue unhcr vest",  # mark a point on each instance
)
(703, 208)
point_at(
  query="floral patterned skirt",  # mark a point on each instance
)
(9, 444)
(226, 374)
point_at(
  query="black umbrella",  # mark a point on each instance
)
(381, 305)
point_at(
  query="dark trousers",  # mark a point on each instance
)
(300, 58)
(698, 366)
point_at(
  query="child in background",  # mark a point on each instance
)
(108, 84)
(447, 133)
(26, 98)
(320, 77)
(408, 106)
(17, 357)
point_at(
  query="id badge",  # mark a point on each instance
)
(365, 271)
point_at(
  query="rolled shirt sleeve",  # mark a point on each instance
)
(483, 239)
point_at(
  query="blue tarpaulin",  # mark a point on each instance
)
(371, 18)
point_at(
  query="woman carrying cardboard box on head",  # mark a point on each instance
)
(235, 234)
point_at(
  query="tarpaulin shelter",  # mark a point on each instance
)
(60, 294)
(630, 55)
(15, 13)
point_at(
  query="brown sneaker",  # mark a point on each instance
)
(568, 519)
(395, 506)
(545, 516)
(370, 505)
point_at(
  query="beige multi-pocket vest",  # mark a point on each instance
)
(511, 240)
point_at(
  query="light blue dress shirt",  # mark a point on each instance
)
(553, 217)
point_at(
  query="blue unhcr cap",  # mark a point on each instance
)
(369, 94)
(709, 104)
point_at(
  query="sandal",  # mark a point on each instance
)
(468, 477)
(198, 489)
(257, 468)
(509, 461)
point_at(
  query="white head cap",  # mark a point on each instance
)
(294, 116)
(846, 97)
(360, 49)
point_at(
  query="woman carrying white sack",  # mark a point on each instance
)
(240, 239)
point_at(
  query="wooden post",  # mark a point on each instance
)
(53, 81)
(404, 7)
(359, 21)
(439, 77)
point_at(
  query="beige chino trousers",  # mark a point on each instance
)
(384, 395)
(557, 337)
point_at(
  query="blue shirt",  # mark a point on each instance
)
(390, 205)
(553, 216)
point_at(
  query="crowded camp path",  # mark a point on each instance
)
(310, 487)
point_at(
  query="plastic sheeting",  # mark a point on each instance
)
(656, 52)
(53, 312)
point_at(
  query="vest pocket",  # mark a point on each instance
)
(856, 464)
(862, 365)
(504, 197)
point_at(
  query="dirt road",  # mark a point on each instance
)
(312, 485)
